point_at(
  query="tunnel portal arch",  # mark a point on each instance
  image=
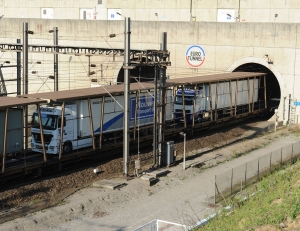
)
(274, 81)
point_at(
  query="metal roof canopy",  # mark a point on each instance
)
(213, 78)
(94, 92)
(6, 102)
(85, 93)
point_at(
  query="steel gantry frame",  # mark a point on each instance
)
(140, 57)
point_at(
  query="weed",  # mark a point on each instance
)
(273, 202)
(295, 210)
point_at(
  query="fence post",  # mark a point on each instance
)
(292, 156)
(258, 169)
(231, 181)
(271, 163)
(215, 189)
(281, 157)
(246, 175)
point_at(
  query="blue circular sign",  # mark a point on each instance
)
(195, 56)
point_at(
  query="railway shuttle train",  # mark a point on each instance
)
(107, 117)
(197, 103)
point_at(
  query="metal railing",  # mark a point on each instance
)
(238, 178)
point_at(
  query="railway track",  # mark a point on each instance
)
(30, 165)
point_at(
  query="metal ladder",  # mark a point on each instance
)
(293, 114)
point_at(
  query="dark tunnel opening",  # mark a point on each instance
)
(272, 85)
(140, 73)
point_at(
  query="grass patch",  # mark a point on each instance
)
(274, 200)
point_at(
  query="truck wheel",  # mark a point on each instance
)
(67, 148)
(97, 141)
(198, 119)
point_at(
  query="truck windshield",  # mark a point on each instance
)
(49, 122)
(188, 100)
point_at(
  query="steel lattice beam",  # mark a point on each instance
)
(138, 57)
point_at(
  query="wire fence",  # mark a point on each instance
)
(236, 179)
(159, 225)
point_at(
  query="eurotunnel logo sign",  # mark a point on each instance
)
(195, 56)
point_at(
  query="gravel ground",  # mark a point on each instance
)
(181, 196)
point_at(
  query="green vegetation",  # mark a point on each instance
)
(272, 201)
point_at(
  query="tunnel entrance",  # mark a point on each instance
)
(140, 73)
(272, 89)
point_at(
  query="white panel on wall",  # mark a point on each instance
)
(86, 14)
(112, 14)
(46, 12)
(226, 15)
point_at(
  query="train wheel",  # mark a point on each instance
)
(67, 147)
(198, 119)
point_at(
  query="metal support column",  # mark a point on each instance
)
(216, 101)
(183, 106)
(126, 136)
(155, 118)
(25, 81)
(253, 93)
(162, 103)
(230, 95)
(210, 103)
(236, 97)
(4, 140)
(249, 101)
(101, 122)
(265, 91)
(91, 122)
(55, 41)
(61, 130)
(42, 132)
(19, 68)
(194, 107)
(135, 114)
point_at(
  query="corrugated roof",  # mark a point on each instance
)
(84, 93)
(6, 102)
(213, 78)
(119, 89)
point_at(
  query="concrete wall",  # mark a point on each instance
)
(288, 11)
(226, 45)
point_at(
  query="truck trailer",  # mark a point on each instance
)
(107, 117)
(209, 101)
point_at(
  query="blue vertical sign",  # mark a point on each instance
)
(297, 103)
(145, 108)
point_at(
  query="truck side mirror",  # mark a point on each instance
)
(59, 122)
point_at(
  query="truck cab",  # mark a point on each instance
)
(51, 123)
(191, 102)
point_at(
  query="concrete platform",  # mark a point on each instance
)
(110, 184)
(157, 173)
(197, 164)
(150, 180)
(147, 178)
(188, 163)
